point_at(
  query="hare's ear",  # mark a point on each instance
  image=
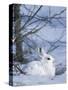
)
(43, 51)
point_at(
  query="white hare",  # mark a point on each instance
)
(45, 66)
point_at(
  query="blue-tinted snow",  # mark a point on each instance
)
(37, 80)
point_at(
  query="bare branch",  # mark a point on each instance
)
(19, 69)
(30, 18)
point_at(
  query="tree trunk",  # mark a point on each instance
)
(19, 52)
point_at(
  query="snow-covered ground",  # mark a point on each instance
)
(37, 80)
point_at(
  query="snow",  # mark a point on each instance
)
(37, 80)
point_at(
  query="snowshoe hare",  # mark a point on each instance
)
(45, 66)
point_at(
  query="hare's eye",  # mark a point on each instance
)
(48, 58)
